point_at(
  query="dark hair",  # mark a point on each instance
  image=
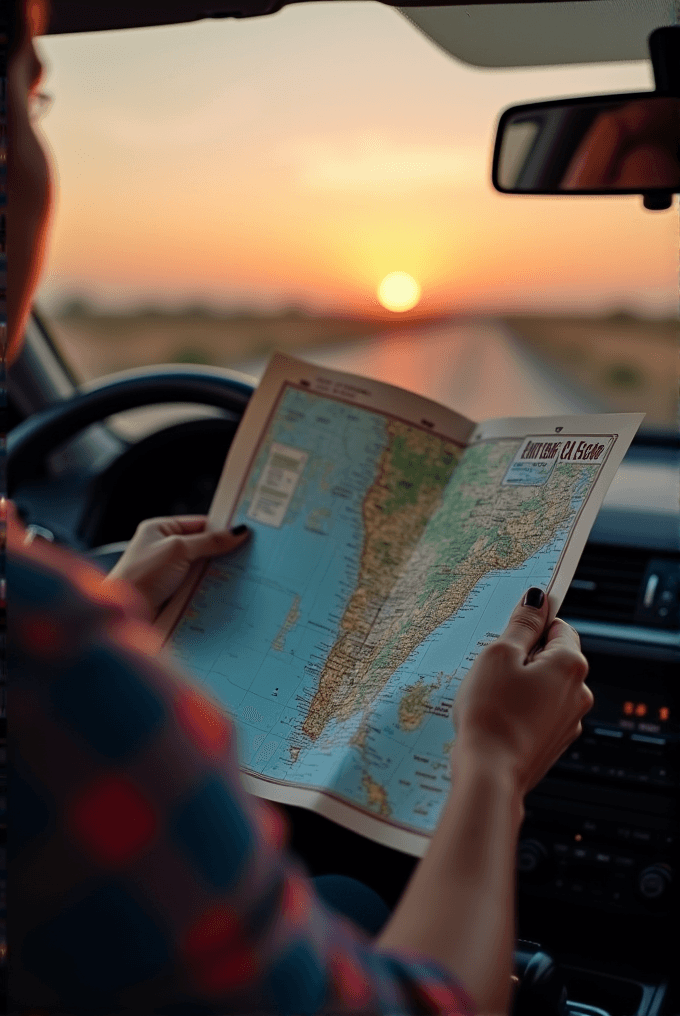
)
(16, 25)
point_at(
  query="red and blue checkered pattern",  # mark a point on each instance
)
(143, 878)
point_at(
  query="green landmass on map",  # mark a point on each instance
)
(412, 473)
(432, 532)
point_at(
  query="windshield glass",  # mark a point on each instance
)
(230, 187)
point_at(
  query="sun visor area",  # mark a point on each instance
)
(535, 34)
(481, 33)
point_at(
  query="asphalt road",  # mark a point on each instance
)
(480, 369)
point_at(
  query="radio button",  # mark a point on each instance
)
(608, 732)
(646, 739)
(654, 881)
(531, 854)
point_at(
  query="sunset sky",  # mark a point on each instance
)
(300, 158)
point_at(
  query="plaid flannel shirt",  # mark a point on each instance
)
(143, 878)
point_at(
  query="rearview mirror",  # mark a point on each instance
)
(607, 144)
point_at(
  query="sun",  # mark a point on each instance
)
(399, 291)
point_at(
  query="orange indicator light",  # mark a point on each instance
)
(664, 712)
(628, 708)
(641, 709)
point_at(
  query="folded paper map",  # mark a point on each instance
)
(391, 540)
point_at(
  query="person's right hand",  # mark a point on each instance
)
(522, 706)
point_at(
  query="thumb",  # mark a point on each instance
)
(211, 544)
(527, 621)
(561, 635)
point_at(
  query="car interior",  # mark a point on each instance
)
(598, 852)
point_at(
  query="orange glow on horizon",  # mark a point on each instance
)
(339, 256)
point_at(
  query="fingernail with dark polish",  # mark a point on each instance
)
(533, 597)
(239, 530)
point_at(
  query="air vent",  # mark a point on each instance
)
(607, 585)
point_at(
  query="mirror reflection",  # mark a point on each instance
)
(630, 144)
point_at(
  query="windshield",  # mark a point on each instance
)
(229, 187)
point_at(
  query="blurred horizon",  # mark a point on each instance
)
(502, 364)
(76, 306)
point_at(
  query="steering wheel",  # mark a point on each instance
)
(31, 442)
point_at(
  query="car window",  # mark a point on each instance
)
(231, 187)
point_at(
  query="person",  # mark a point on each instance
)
(143, 877)
(632, 145)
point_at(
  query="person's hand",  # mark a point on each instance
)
(524, 697)
(159, 555)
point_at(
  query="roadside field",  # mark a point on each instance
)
(630, 363)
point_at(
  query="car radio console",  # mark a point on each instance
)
(599, 844)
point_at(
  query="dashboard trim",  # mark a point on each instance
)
(625, 633)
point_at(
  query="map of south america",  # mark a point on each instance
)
(384, 557)
(412, 474)
(479, 527)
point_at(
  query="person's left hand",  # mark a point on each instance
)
(159, 555)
